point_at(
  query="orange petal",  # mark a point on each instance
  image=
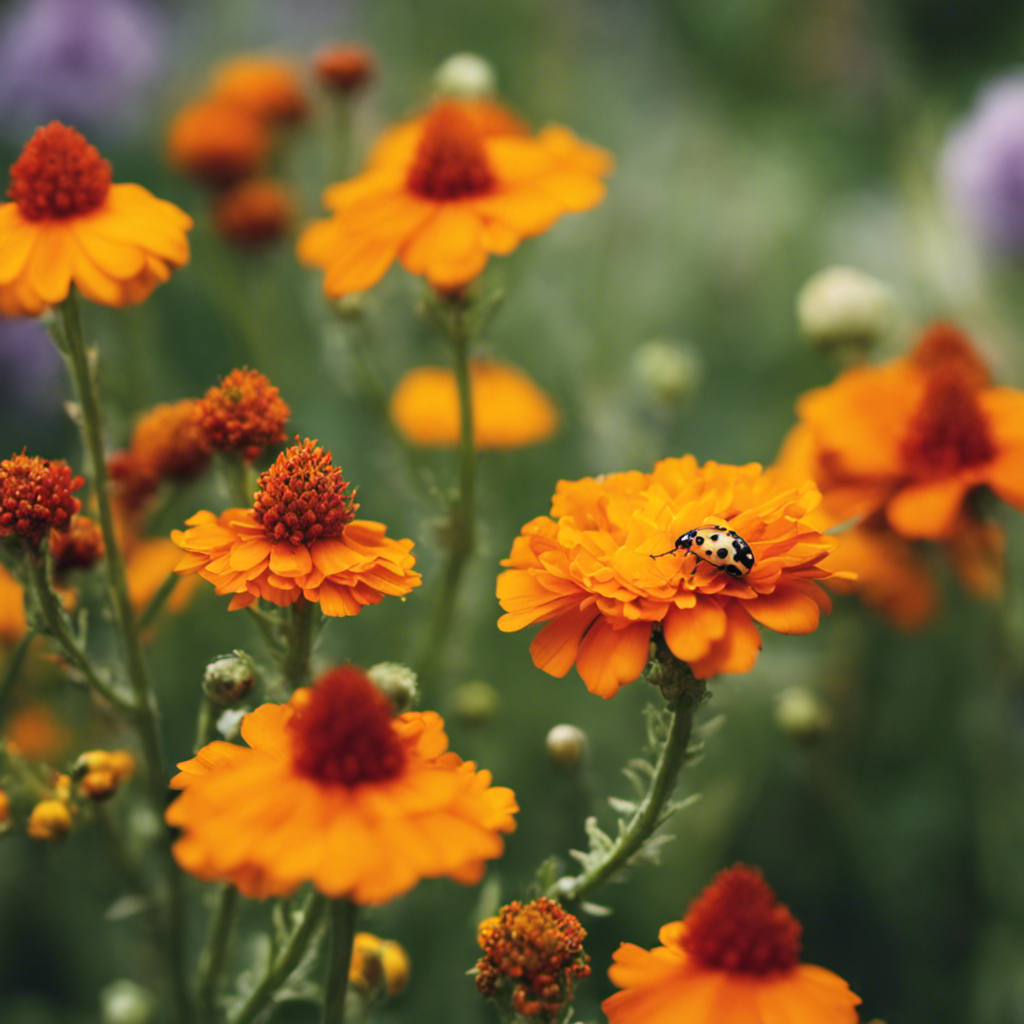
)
(554, 648)
(786, 610)
(609, 658)
(689, 632)
(929, 510)
(290, 559)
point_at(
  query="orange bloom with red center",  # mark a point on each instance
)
(217, 143)
(441, 196)
(68, 225)
(299, 540)
(916, 437)
(254, 213)
(267, 87)
(244, 413)
(509, 409)
(587, 571)
(535, 952)
(333, 790)
(344, 67)
(734, 959)
(36, 497)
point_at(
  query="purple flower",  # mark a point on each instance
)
(86, 62)
(982, 166)
(30, 381)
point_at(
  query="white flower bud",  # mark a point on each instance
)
(465, 76)
(668, 372)
(229, 679)
(124, 1002)
(802, 714)
(397, 682)
(566, 744)
(841, 307)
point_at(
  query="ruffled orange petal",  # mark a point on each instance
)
(928, 510)
(609, 658)
(554, 648)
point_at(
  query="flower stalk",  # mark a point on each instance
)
(343, 926)
(301, 630)
(214, 956)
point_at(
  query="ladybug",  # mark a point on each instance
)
(719, 546)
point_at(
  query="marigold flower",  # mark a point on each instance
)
(378, 963)
(509, 409)
(300, 540)
(244, 413)
(35, 497)
(536, 951)
(169, 442)
(216, 142)
(442, 196)
(344, 67)
(734, 958)
(587, 571)
(915, 437)
(333, 790)
(268, 87)
(49, 820)
(254, 213)
(68, 225)
(79, 547)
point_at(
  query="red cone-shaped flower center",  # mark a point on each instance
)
(35, 497)
(737, 925)
(301, 498)
(450, 162)
(944, 345)
(343, 732)
(58, 175)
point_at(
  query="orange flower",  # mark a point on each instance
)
(267, 87)
(217, 142)
(68, 225)
(734, 959)
(917, 437)
(169, 443)
(300, 540)
(333, 790)
(254, 213)
(442, 195)
(509, 410)
(244, 413)
(586, 570)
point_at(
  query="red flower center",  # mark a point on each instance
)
(450, 162)
(948, 433)
(945, 345)
(342, 732)
(737, 925)
(35, 497)
(58, 175)
(301, 498)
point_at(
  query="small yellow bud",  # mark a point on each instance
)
(50, 819)
(475, 702)
(802, 714)
(397, 682)
(229, 679)
(378, 966)
(668, 372)
(844, 308)
(99, 784)
(62, 786)
(465, 76)
(566, 744)
(397, 966)
(125, 1002)
(122, 764)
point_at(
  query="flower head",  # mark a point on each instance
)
(345, 68)
(536, 951)
(216, 142)
(100, 773)
(915, 437)
(509, 409)
(267, 87)
(444, 192)
(299, 540)
(735, 956)
(244, 413)
(587, 571)
(333, 790)
(50, 820)
(36, 497)
(378, 965)
(254, 213)
(68, 225)
(79, 547)
(169, 443)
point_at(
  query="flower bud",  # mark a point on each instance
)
(344, 67)
(844, 308)
(566, 744)
(397, 966)
(49, 820)
(466, 76)
(397, 682)
(378, 966)
(475, 702)
(668, 372)
(229, 679)
(124, 1002)
(801, 713)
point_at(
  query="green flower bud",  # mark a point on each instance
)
(844, 308)
(465, 76)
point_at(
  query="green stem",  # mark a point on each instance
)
(157, 601)
(81, 363)
(280, 970)
(296, 668)
(343, 926)
(339, 137)
(214, 956)
(649, 814)
(268, 630)
(206, 722)
(239, 479)
(12, 667)
(461, 526)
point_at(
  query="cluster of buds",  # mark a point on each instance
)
(79, 547)
(379, 968)
(100, 773)
(36, 498)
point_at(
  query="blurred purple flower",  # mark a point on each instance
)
(86, 62)
(982, 166)
(30, 381)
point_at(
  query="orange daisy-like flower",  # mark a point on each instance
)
(254, 213)
(509, 409)
(268, 87)
(216, 142)
(587, 571)
(734, 959)
(444, 194)
(299, 540)
(916, 437)
(333, 790)
(68, 225)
